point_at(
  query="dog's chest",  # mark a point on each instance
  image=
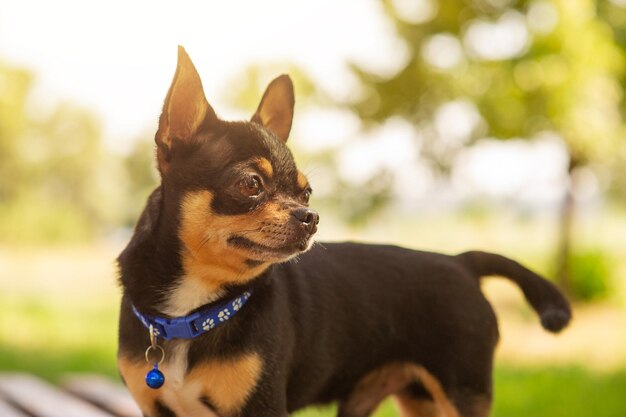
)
(214, 387)
(176, 364)
(183, 395)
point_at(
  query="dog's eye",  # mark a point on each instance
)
(251, 186)
(306, 195)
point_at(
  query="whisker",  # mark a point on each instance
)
(316, 243)
(311, 171)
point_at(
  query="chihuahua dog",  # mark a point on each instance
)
(225, 322)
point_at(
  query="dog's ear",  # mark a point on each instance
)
(275, 111)
(184, 111)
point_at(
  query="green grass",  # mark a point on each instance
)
(541, 392)
(53, 364)
(50, 339)
(559, 392)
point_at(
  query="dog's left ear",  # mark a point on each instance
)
(185, 110)
(275, 111)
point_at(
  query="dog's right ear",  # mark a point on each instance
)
(275, 111)
(184, 111)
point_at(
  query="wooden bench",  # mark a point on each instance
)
(24, 395)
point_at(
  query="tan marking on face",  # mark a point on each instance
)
(209, 262)
(391, 379)
(134, 374)
(205, 234)
(265, 166)
(302, 181)
(228, 384)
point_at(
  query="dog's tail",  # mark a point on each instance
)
(549, 303)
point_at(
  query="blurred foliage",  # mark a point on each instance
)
(142, 178)
(14, 85)
(591, 274)
(358, 204)
(246, 88)
(566, 74)
(58, 182)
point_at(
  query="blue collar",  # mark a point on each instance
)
(194, 324)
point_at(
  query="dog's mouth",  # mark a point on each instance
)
(264, 252)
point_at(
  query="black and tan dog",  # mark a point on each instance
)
(346, 322)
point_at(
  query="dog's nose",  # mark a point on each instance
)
(309, 218)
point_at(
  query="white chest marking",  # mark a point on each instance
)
(190, 294)
(181, 396)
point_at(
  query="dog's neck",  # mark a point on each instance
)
(189, 293)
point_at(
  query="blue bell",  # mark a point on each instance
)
(155, 378)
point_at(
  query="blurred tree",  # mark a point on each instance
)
(614, 13)
(14, 87)
(245, 90)
(57, 181)
(140, 167)
(526, 66)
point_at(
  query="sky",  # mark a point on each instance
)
(118, 59)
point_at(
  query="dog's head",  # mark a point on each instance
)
(240, 202)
